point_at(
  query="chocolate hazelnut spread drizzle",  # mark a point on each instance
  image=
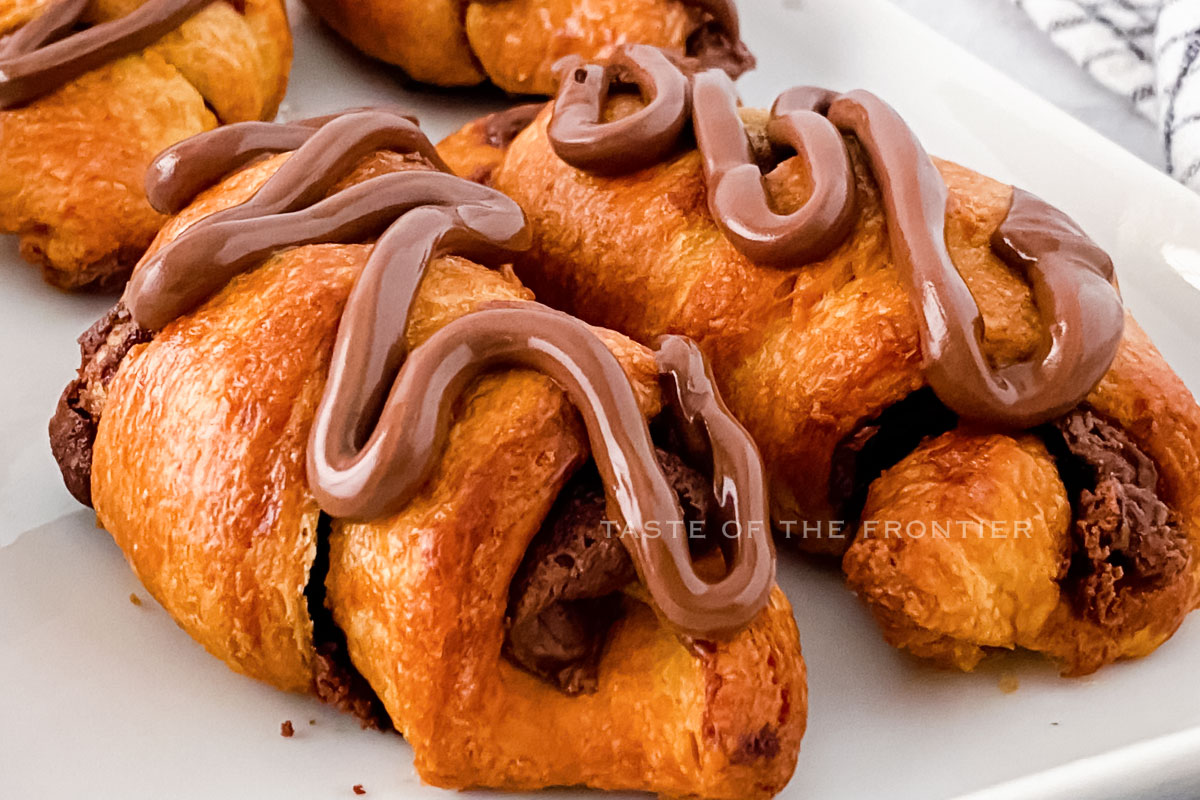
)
(186, 169)
(43, 54)
(1071, 278)
(385, 413)
(736, 196)
(638, 140)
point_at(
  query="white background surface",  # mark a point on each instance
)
(1002, 35)
(101, 698)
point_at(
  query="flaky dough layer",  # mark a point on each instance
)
(75, 159)
(807, 354)
(512, 43)
(198, 473)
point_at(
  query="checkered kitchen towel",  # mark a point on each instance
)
(1149, 51)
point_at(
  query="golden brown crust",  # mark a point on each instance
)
(806, 355)
(214, 415)
(517, 42)
(198, 473)
(75, 160)
(640, 254)
(950, 598)
(238, 61)
(434, 580)
(200, 478)
(425, 38)
(512, 43)
(948, 593)
(471, 152)
(662, 719)
(14, 13)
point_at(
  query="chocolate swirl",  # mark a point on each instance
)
(580, 137)
(617, 147)
(1081, 311)
(1071, 278)
(736, 195)
(284, 212)
(385, 413)
(186, 169)
(43, 54)
(379, 476)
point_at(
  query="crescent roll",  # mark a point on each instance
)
(418, 616)
(832, 362)
(515, 43)
(75, 147)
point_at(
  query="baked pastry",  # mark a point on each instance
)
(358, 470)
(516, 43)
(915, 348)
(90, 92)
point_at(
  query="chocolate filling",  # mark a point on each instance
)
(712, 47)
(73, 427)
(760, 746)
(500, 128)
(336, 681)
(566, 593)
(877, 445)
(1124, 537)
(563, 601)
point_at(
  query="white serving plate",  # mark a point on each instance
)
(101, 698)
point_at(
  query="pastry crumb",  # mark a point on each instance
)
(133, 598)
(1009, 682)
(286, 730)
(358, 789)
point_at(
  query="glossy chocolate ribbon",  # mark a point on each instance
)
(1071, 278)
(737, 196)
(285, 211)
(1081, 311)
(385, 413)
(580, 137)
(367, 478)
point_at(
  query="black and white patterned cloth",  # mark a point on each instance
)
(1149, 51)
